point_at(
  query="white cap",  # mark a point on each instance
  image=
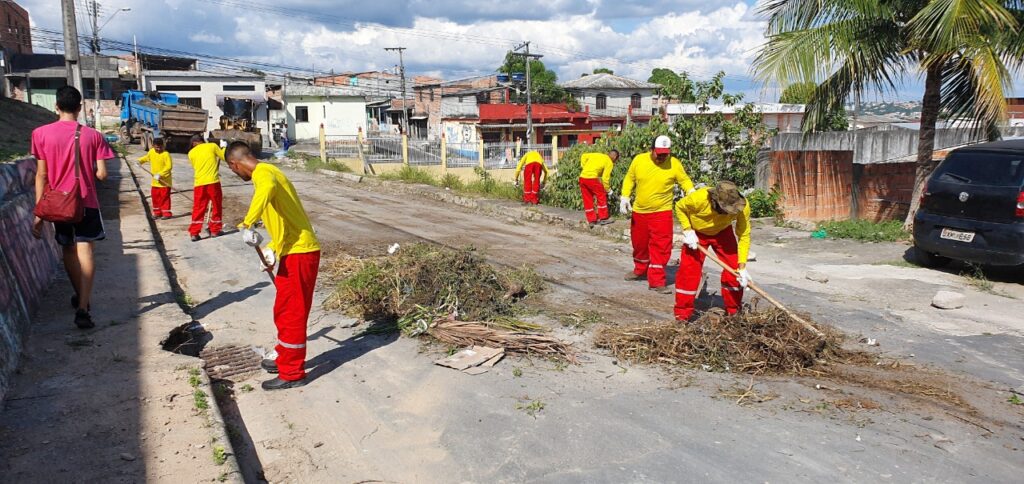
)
(662, 145)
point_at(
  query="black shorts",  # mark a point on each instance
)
(90, 229)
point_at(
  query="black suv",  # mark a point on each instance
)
(973, 207)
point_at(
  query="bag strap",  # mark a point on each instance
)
(78, 151)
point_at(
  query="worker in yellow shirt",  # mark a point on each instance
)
(160, 188)
(707, 216)
(595, 179)
(531, 165)
(293, 248)
(654, 175)
(206, 158)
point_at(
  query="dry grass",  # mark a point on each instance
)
(755, 342)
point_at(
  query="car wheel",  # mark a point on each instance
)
(927, 259)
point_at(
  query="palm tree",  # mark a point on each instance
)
(967, 51)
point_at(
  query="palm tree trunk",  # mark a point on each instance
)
(926, 143)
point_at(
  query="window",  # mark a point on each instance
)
(179, 88)
(301, 114)
(634, 101)
(239, 87)
(195, 102)
(602, 101)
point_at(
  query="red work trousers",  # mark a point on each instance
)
(592, 188)
(691, 263)
(651, 234)
(531, 183)
(160, 197)
(203, 196)
(295, 281)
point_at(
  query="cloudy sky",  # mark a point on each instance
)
(450, 38)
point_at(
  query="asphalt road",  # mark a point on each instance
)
(378, 409)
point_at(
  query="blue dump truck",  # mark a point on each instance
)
(149, 115)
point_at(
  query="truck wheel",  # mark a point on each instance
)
(147, 141)
(126, 136)
(927, 259)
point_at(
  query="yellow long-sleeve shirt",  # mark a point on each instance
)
(654, 183)
(206, 160)
(161, 164)
(597, 165)
(530, 158)
(277, 204)
(695, 213)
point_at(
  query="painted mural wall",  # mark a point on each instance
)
(27, 265)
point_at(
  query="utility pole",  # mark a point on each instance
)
(401, 70)
(96, 65)
(529, 88)
(74, 69)
(138, 65)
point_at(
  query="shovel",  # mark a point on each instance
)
(754, 287)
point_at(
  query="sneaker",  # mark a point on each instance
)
(74, 303)
(270, 366)
(279, 384)
(218, 234)
(196, 238)
(83, 320)
(606, 221)
(663, 289)
(632, 276)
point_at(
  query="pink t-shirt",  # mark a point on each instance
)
(54, 143)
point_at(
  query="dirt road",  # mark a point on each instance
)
(378, 409)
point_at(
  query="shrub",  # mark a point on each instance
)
(764, 204)
(452, 181)
(409, 174)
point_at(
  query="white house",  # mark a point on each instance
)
(611, 96)
(784, 117)
(341, 110)
(206, 90)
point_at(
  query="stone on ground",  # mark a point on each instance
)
(948, 300)
(817, 276)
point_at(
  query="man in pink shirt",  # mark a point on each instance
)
(53, 145)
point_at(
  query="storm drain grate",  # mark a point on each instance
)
(225, 362)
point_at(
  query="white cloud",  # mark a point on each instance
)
(205, 38)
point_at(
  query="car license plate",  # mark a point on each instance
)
(957, 235)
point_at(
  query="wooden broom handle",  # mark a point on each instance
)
(754, 287)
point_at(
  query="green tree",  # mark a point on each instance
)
(676, 86)
(603, 70)
(803, 93)
(543, 81)
(967, 51)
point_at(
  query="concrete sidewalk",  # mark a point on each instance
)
(108, 404)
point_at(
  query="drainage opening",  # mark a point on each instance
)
(188, 339)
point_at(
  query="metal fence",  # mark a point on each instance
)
(423, 153)
(500, 155)
(342, 146)
(385, 149)
(463, 155)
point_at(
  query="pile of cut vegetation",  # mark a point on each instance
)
(757, 342)
(452, 295)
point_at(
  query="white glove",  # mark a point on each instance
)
(252, 238)
(744, 278)
(223, 143)
(156, 177)
(270, 257)
(517, 183)
(625, 206)
(690, 239)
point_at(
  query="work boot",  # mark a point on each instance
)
(591, 224)
(633, 276)
(166, 216)
(279, 384)
(270, 366)
(83, 320)
(196, 238)
(663, 289)
(606, 221)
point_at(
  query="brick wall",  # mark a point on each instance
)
(827, 185)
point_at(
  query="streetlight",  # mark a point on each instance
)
(96, 57)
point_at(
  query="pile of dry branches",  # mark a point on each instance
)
(472, 333)
(756, 342)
